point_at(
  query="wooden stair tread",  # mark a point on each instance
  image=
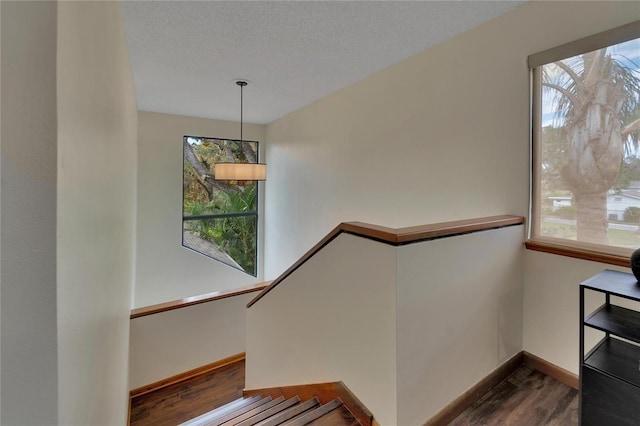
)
(340, 416)
(260, 409)
(267, 411)
(232, 415)
(325, 392)
(310, 416)
(220, 411)
(270, 412)
(290, 413)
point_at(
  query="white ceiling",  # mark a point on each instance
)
(186, 55)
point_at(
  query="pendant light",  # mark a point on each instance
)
(241, 172)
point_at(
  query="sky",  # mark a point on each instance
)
(628, 53)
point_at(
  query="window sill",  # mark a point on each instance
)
(578, 253)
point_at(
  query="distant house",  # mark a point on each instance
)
(560, 201)
(619, 201)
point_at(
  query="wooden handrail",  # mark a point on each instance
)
(577, 253)
(398, 237)
(196, 300)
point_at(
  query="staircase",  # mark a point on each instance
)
(265, 411)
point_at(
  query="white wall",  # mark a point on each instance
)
(97, 124)
(459, 316)
(440, 136)
(407, 329)
(551, 306)
(0, 228)
(28, 210)
(443, 135)
(333, 319)
(166, 270)
(552, 282)
(68, 169)
(169, 343)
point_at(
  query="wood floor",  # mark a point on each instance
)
(525, 398)
(183, 401)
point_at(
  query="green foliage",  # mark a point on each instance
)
(621, 238)
(217, 205)
(209, 152)
(629, 171)
(631, 215)
(193, 190)
(566, 212)
(553, 159)
(558, 230)
(236, 236)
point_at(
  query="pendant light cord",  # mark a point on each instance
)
(241, 83)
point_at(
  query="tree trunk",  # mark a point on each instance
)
(190, 155)
(206, 178)
(595, 149)
(229, 154)
(592, 217)
(249, 154)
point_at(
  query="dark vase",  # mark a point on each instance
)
(635, 263)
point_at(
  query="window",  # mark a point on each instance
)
(219, 219)
(586, 142)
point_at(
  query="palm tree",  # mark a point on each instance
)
(596, 98)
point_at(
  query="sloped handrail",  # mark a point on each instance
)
(398, 237)
(195, 300)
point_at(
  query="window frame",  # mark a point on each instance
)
(603, 253)
(255, 213)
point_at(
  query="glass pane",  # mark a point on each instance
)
(230, 240)
(589, 165)
(202, 195)
(235, 199)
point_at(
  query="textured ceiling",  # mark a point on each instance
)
(186, 55)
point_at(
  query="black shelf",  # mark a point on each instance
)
(618, 359)
(610, 371)
(607, 401)
(616, 320)
(615, 283)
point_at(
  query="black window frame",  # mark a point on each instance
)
(255, 214)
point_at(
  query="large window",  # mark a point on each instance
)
(586, 121)
(219, 218)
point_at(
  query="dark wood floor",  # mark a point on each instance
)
(183, 401)
(525, 398)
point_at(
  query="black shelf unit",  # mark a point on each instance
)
(610, 371)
